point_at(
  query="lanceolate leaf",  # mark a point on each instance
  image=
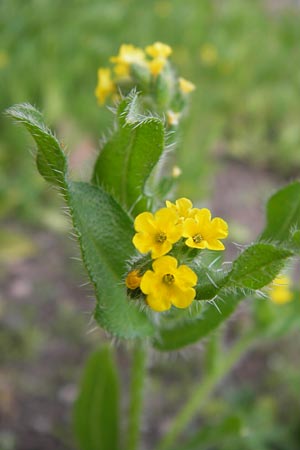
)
(128, 157)
(96, 410)
(283, 214)
(104, 231)
(257, 266)
(51, 161)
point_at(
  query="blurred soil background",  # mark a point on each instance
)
(241, 142)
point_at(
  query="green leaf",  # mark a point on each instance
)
(128, 157)
(209, 282)
(96, 410)
(175, 336)
(50, 159)
(283, 214)
(104, 231)
(257, 266)
(226, 430)
(105, 234)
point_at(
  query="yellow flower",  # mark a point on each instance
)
(159, 50)
(156, 233)
(173, 118)
(128, 54)
(183, 207)
(202, 232)
(105, 86)
(176, 171)
(168, 284)
(133, 279)
(186, 86)
(280, 290)
(156, 66)
(208, 54)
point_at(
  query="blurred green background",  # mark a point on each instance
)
(242, 135)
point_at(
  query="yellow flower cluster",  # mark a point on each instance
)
(167, 284)
(152, 59)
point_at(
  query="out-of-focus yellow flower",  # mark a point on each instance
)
(168, 284)
(105, 86)
(202, 232)
(128, 54)
(183, 207)
(176, 172)
(158, 50)
(209, 54)
(186, 86)
(3, 59)
(156, 232)
(173, 118)
(156, 66)
(133, 279)
(280, 290)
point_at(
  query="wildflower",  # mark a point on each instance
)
(176, 172)
(156, 232)
(105, 86)
(208, 54)
(128, 54)
(173, 118)
(202, 232)
(280, 290)
(156, 66)
(158, 50)
(183, 207)
(168, 284)
(133, 279)
(186, 86)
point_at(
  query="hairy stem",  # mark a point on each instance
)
(138, 373)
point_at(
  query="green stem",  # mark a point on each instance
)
(138, 372)
(205, 389)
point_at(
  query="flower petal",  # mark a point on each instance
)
(144, 222)
(149, 282)
(143, 242)
(158, 303)
(220, 226)
(186, 277)
(190, 228)
(165, 264)
(160, 249)
(214, 244)
(182, 298)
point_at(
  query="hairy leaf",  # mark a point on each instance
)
(257, 266)
(96, 410)
(50, 159)
(105, 233)
(283, 214)
(128, 157)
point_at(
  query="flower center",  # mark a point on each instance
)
(197, 238)
(161, 237)
(168, 279)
